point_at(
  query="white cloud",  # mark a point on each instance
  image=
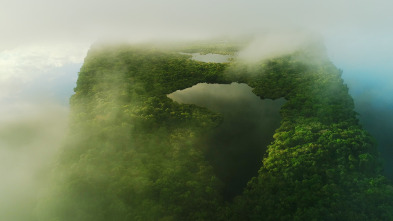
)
(275, 43)
(30, 137)
(21, 66)
(32, 122)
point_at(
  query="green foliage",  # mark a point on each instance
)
(322, 165)
(133, 154)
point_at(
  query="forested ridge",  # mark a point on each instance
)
(134, 154)
(322, 165)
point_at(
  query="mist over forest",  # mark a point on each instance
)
(197, 110)
(159, 133)
(239, 126)
(375, 107)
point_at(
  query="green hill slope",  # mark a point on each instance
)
(134, 154)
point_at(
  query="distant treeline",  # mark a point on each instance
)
(134, 154)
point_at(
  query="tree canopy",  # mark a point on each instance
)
(134, 154)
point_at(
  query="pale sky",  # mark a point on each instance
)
(40, 21)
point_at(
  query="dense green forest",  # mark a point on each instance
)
(134, 154)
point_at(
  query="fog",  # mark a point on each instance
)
(35, 85)
(29, 140)
(43, 44)
(27, 22)
(276, 43)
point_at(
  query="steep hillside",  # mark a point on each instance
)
(322, 165)
(134, 154)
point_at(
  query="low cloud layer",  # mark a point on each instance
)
(43, 44)
(356, 33)
(29, 72)
(35, 85)
(29, 140)
(275, 43)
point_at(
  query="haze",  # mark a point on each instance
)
(43, 44)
